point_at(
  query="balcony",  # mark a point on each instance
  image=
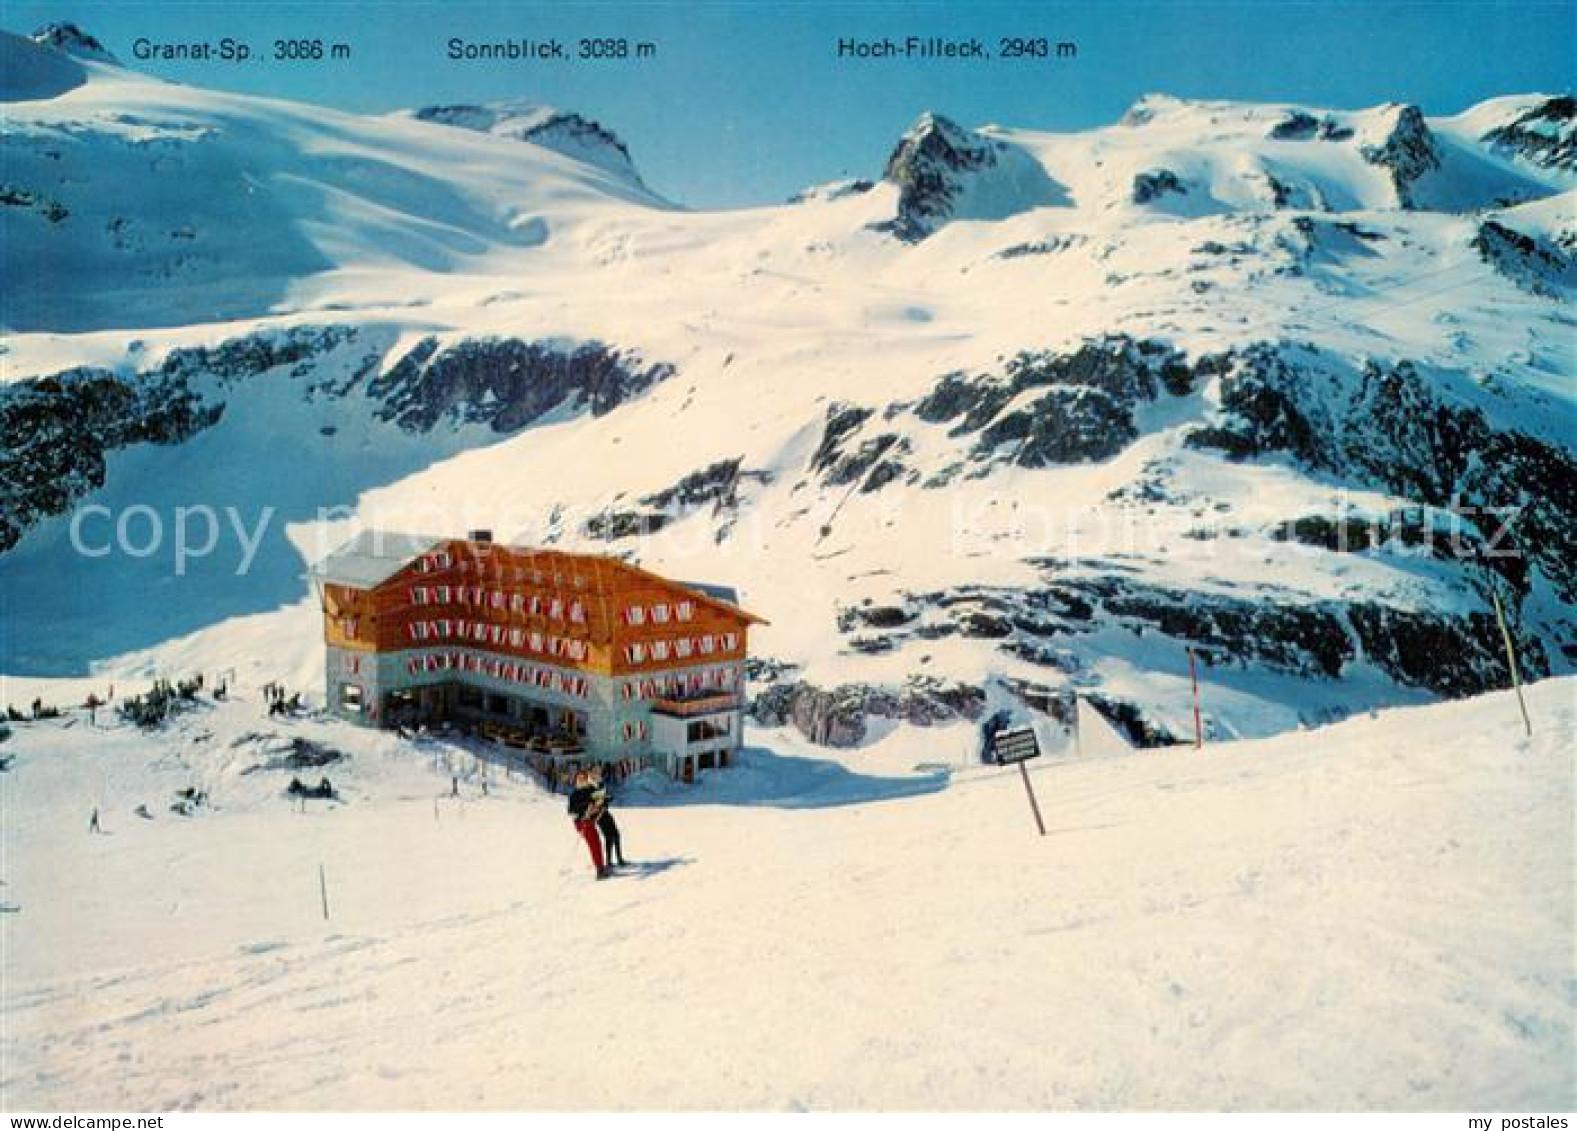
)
(684, 707)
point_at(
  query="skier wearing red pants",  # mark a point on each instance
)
(582, 810)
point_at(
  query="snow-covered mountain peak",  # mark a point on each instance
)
(945, 172)
(71, 39)
(1072, 326)
(1397, 138)
(1148, 108)
(563, 131)
(1539, 130)
(30, 72)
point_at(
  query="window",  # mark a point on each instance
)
(349, 697)
(704, 730)
(685, 610)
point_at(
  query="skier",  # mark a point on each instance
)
(582, 810)
(612, 846)
(93, 823)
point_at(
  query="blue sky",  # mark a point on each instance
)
(746, 102)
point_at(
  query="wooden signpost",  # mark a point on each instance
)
(1019, 745)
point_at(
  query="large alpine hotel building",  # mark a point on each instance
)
(583, 654)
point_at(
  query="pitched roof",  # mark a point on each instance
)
(372, 557)
(375, 556)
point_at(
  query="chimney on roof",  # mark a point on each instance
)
(484, 536)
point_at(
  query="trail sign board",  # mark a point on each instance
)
(1016, 745)
(1014, 748)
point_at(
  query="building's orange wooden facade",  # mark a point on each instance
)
(580, 612)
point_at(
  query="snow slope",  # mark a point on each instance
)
(807, 347)
(1376, 915)
(189, 206)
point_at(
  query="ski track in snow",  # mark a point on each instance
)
(1377, 914)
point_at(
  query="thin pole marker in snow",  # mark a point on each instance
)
(323, 887)
(1511, 657)
(1199, 727)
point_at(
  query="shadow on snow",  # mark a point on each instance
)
(761, 777)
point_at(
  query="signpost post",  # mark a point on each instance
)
(1199, 726)
(1018, 746)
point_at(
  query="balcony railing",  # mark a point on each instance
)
(696, 705)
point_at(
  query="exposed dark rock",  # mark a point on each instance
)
(506, 383)
(1388, 426)
(1545, 134)
(610, 525)
(1056, 703)
(1041, 654)
(1154, 184)
(1040, 247)
(984, 625)
(1131, 721)
(765, 669)
(59, 429)
(1307, 640)
(1086, 413)
(242, 358)
(873, 462)
(836, 190)
(872, 645)
(884, 616)
(843, 420)
(13, 196)
(1453, 656)
(71, 39)
(1407, 153)
(839, 716)
(716, 485)
(1300, 125)
(1072, 425)
(1417, 531)
(562, 131)
(1530, 263)
(926, 167)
